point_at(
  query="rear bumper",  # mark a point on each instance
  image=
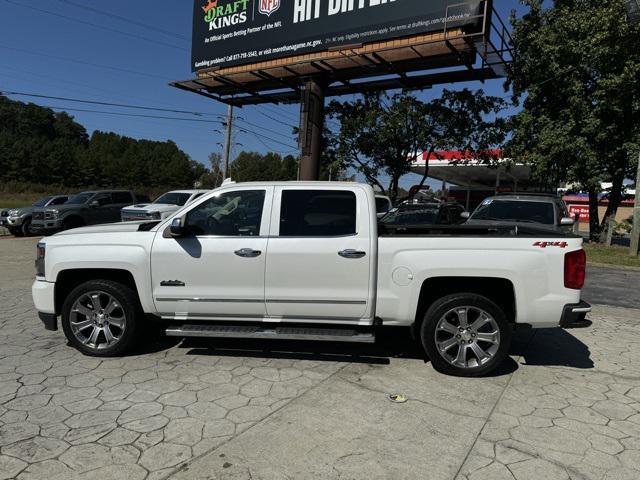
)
(574, 315)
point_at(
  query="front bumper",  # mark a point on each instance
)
(43, 294)
(14, 221)
(574, 315)
(46, 225)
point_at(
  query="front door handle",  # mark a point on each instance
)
(248, 253)
(352, 253)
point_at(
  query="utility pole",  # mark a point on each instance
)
(635, 234)
(227, 143)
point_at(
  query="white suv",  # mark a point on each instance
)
(162, 207)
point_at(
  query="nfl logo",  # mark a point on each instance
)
(267, 7)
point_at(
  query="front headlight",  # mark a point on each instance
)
(40, 253)
(51, 214)
(14, 213)
(155, 215)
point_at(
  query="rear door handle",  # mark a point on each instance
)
(352, 253)
(248, 253)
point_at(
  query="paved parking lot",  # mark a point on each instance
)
(566, 405)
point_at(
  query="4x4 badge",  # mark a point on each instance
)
(551, 244)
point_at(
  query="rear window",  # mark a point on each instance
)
(173, 198)
(317, 213)
(413, 215)
(515, 211)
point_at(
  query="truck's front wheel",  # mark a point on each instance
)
(100, 318)
(466, 335)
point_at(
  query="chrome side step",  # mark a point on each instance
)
(277, 333)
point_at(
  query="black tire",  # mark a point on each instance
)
(26, 227)
(475, 303)
(72, 222)
(128, 303)
(16, 232)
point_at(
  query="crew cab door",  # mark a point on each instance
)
(319, 262)
(216, 271)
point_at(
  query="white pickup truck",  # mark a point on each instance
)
(308, 261)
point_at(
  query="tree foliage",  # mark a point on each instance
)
(256, 167)
(577, 67)
(382, 135)
(40, 146)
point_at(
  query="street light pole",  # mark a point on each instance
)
(227, 143)
(635, 234)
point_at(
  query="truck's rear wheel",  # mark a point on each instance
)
(465, 335)
(101, 318)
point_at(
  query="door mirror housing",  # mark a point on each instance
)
(94, 204)
(465, 215)
(177, 228)
(567, 222)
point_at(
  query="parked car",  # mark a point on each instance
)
(162, 207)
(383, 205)
(420, 214)
(86, 208)
(305, 260)
(18, 220)
(546, 211)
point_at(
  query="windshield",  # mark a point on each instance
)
(173, 198)
(79, 199)
(42, 202)
(419, 215)
(515, 211)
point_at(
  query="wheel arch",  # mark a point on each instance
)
(501, 291)
(69, 279)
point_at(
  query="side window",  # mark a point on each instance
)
(317, 213)
(59, 201)
(102, 199)
(121, 197)
(232, 214)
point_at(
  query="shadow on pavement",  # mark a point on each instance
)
(551, 347)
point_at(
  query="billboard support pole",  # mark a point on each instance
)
(311, 125)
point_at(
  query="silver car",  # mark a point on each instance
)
(18, 220)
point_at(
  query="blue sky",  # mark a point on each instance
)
(37, 41)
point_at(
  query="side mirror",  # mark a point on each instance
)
(177, 230)
(567, 222)
(465, 215)
(94, 204)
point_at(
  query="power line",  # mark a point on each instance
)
(81, 62)
(274, 119)
(124, 19)
(261, 127)
(95, 25)
(159, 117)
(106, 104)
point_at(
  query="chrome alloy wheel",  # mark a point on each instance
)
(467, 337)
(97, 320)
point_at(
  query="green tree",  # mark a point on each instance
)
(577, 69)
(270, 167)
(383, 135)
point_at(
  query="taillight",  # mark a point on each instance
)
(575, 266)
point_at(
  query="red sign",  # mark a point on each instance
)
(582, 210)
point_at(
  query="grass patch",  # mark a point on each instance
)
(8, 200)
(610, 255)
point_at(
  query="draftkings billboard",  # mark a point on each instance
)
(235, 32)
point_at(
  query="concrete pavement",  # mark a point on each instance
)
(566, 405)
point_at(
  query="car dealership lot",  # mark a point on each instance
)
(567, 405)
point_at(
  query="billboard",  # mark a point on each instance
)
(236, 32)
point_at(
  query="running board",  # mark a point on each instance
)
(278, 333)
